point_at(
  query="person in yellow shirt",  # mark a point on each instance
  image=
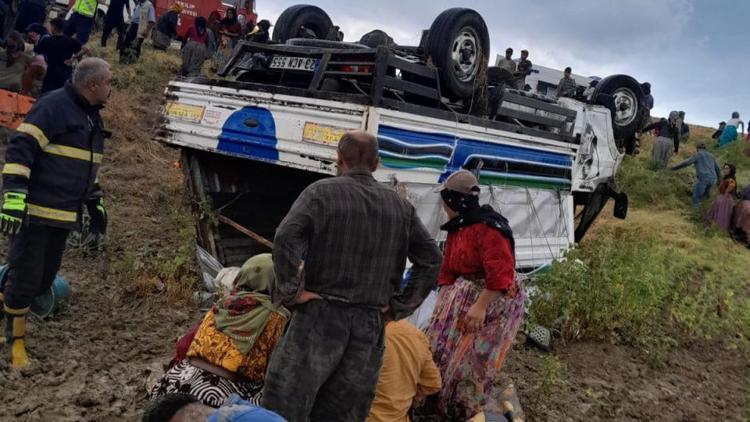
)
(408, 373)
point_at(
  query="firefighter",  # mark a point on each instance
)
(49, 176)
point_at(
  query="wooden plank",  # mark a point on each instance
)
(514, 98)
(260, 239)
(411, 87)
(340, 73)
(511, 127)
(529, 117)
(320, 72)
(478, 121)
(340, 63)
(379, 75)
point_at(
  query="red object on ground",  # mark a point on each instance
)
(191, 9)
(13, 108)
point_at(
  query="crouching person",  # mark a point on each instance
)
(229, 351)
(408, 373)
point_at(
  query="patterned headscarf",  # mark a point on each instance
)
(242, 315)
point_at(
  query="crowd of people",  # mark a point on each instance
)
(39, 56)
(730, 209)
(519, 70)
(331, 342)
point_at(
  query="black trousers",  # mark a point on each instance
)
(29, 13)
(34, 257)
(131, 47)
(113, 23)
(326, 365)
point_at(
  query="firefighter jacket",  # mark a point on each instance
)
(54, 157)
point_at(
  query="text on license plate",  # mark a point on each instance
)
(294, 63)
(322, 134)
(189, 112)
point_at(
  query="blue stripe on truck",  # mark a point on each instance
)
(250, 131)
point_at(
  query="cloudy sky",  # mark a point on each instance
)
(692, 52)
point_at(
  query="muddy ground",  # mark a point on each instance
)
(94, 361)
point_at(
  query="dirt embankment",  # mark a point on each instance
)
(93, 360)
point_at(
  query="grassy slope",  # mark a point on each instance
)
(660, 277)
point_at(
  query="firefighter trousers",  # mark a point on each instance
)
(34, 257)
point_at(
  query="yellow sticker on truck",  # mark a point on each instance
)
(188, 112)
(322, 134)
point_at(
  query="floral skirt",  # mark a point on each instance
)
(209, 388)
(470, 363)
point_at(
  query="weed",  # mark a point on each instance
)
(551, 370)
(620, 287)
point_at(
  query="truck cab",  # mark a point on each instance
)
(191, 9)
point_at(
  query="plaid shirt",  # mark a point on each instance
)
(566, 87)
(355, 235)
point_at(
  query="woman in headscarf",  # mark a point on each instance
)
(667, 141)
(741, 219)
(214, 41)
(480, 304)
(729, 134)
(166, 27)
(229, 351)
(195, 48)
(230, 27)
(729, 172)
(720, 213)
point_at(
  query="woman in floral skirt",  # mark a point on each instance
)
(480, 303)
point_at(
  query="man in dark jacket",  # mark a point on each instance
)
(49, 174)
(8, 15)
(30, 11)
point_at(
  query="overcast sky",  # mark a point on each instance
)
(692, 52)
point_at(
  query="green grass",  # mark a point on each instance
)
(660, 277)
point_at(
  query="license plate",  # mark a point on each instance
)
(189, 112)
(322, 134)
(294, 63)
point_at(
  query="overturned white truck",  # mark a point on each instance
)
(253, 140)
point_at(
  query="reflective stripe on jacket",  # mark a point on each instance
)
(85, 7)
(54, 156)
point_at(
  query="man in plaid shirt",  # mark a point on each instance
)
(354, 236)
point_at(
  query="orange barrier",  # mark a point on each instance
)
(13, 108)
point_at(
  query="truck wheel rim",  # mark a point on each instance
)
(465, 54)
(626, 106)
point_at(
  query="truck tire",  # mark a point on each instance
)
(307, 42)
(312, 17)
(459, 46)
(624, 96)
